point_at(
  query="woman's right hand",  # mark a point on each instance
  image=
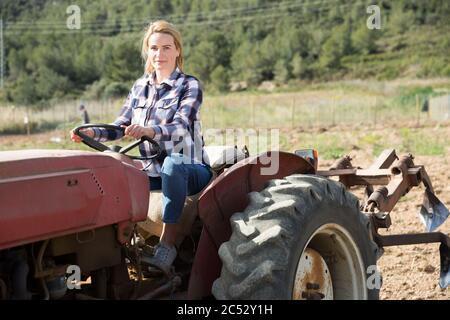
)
(87, 131)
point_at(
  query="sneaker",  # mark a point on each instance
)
(162, 258)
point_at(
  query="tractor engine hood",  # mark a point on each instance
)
(48, 193)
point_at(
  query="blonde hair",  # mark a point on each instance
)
(162, 26)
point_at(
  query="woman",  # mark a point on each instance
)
(164, 104)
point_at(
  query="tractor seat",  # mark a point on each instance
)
(220, 157)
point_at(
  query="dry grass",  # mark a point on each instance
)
(353, 103)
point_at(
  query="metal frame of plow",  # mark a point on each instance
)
(395, 177)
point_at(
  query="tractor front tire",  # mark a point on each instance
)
(294, 219)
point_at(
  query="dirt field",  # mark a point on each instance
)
(409, 272)
(412, 272)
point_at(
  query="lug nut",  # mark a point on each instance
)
(312, 286)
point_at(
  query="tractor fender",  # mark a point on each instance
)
(226, 196)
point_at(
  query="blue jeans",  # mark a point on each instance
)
(177, 181)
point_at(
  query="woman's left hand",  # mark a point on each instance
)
(137, 131)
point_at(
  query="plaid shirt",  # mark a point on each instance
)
(171, 109)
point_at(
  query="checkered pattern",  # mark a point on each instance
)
(171, 109)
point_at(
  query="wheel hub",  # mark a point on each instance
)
(313, 278)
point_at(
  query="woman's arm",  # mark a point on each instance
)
(124, 119)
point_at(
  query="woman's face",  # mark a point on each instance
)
(162, 52)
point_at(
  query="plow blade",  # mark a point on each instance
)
(444, 279)
(433, 213)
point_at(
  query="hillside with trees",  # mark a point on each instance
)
(226, 43)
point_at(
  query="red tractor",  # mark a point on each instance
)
(75, 225)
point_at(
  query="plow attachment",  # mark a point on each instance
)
(433, 213)
(394, 177)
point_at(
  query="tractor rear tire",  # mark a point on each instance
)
(291, 217)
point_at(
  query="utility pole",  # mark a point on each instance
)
(1, 53)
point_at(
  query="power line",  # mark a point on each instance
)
(206, 14)
(22, 26)
(188, 24)
(131, 27)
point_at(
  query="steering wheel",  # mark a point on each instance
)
(101, 147)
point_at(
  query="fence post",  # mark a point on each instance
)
(213, 116)
(101, 109)
(293, 112)
(418, 109)
(333, 110)
(252, 103)
(26, 121)
(375, 112)
(64, 120)
(316, 116)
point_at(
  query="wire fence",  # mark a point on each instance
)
(309, 109)
(284, 110)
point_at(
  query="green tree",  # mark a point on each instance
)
(50, 84)
(332, 52)
(160, 8)
(248, 64)
(125, 63)
(16, 63)
(88, 66)
(24, 91)
(336, 15)
(181, 7)
(300, 41)
(364, 39)
(263, 40)
(298, 66)
(345, 32)
(281, 71)
(400, 20)
(220, 79)
(206, 55)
